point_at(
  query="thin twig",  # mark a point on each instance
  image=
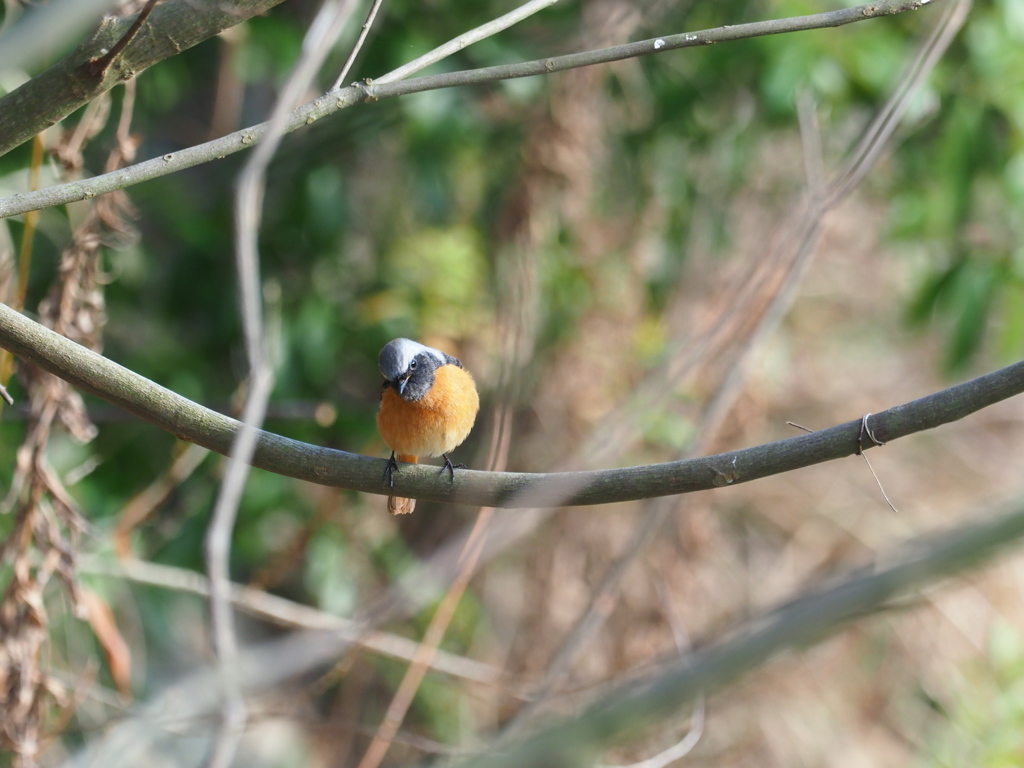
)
(323, 32)
(31, 222)
(218, 554)
(885, 123)
(464, 40)
(286, 613)
(879, 484)
(863, 456)
(797, 624)
(363, 32)
(867, 431)
(656, 512)
(683, 747)
(142, 504)
(810, 140)
(99, 66)
(695, 731)
(25, 251)
(794, 624)
(439, 622)
(383, 88)
(402, 700)
(806, 223)
(612, 437)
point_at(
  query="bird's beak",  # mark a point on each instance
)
(402, 383)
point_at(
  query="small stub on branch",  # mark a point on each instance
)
(98, 66)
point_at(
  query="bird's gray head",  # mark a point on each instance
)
(408, 367)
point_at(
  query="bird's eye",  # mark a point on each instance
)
(412, 365)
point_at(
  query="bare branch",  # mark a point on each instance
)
(218, 552)
(53, 95)
(462, 41)
(439, 622)
(334, 101)
(319, 39)
(794, 233)
(363, 32)
(796, 624)
(189, 421)
(286, 613)
(99, 66)
(143, 504)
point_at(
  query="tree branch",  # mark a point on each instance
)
(286, 613)
(189, 421)
(343, 98)
(797, 623)
(99, 66)
(805, 620)
(46, 28)
(173, 26)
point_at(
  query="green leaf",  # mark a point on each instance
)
(975, 290)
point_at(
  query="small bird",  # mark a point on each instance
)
(427, 407)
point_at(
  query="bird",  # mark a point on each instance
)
(428, 404)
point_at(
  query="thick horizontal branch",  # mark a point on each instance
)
(190, 421)
(802, 622)
(173, 26)
(334, 101)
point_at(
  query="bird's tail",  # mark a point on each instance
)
(396, 504)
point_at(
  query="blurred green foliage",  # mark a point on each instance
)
(983, 718)
(381, 221)
(960, 191)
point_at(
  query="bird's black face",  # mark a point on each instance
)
(417, 379)
(408, 367)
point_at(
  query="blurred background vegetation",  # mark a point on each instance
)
(592, 217)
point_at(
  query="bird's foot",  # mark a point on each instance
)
(450, 467)
(389, 470)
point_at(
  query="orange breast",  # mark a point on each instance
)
(437, 422)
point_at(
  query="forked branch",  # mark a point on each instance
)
(343, 98)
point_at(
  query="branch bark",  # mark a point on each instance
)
(343, 98)
(99, 376)
(172, 27)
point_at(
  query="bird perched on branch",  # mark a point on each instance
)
(427, 407)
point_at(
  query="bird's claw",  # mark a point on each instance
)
(450, 467)
(389, 470)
